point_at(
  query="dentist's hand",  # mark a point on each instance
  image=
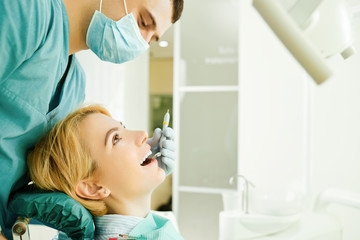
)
(167, 159)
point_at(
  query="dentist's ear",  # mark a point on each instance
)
(89, 190)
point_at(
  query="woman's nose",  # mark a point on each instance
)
(142, 137)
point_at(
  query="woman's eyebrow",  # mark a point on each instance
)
(109, 132)
(122, 125)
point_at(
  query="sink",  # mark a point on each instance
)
(252, 212)
(305, 226)
(265, 224)
(236, 223)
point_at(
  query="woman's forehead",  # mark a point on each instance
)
(96, 124)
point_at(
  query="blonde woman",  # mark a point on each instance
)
(104, 166)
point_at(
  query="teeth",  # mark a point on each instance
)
(148, 154)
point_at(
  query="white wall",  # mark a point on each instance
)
(335, 158)
(122, 88)
(136, 89)
(273, 112)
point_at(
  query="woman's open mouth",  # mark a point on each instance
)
(147, 160)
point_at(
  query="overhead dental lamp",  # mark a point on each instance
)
(312, 30)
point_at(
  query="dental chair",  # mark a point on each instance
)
(53, 209)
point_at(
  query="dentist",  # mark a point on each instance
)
(41, 80)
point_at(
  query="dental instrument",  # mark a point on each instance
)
(165, 125)
(122, 237)
(157, 155)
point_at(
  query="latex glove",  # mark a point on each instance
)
(167, 159)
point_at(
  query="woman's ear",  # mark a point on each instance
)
(90, 190)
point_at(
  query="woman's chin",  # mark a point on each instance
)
(162, 174)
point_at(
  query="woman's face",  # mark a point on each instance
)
(119, 154)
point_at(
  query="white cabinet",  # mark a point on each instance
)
(240, 106)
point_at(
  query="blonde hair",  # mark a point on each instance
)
(59, 160)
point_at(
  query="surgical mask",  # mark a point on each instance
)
(115, 41)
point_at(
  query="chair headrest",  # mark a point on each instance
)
(54, 209)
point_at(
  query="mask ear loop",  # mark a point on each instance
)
(100, 5)
(125, 7)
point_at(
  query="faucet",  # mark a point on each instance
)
(245, 191)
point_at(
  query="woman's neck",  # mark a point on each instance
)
(138, 206)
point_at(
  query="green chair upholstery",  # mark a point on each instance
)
(56, 210)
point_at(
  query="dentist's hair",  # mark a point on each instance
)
(59, 160)
(178, 6)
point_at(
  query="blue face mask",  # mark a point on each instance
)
(115, 42)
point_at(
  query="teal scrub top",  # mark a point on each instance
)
(34, 54)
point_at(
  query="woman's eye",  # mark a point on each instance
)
(116, 139)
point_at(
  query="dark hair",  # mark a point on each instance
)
(178, 6)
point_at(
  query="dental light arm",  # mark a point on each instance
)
(312, 30)
(337, 196)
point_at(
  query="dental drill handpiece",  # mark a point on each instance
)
(165, 125)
